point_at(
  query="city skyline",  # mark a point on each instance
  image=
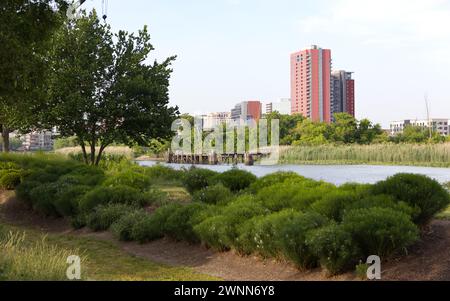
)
(245, 47)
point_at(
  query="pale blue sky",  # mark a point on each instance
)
(234, 50)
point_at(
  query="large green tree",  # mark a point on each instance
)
(102, 89)
(26, 27)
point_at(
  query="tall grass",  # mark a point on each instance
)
(401, 154)
(109, 151)
(24, 260)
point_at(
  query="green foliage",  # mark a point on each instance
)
(419, 192)
(333, 205)
(104, 216)
(196, 179)
(272, 179)
(129, 178)
(123, 227)
(335, 248)
(217, 194)
(380, 231)
(294, 239)
(179, 225)
(133, 107)
(236, 179)
(10, 180)
(65, 142)
(261, 234)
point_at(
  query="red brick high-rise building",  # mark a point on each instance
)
(343, 93)
(311, 83)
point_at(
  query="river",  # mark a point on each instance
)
(336, 174)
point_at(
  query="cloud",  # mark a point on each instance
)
(384, 22)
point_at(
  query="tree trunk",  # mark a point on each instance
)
(92, 153)
(99, 156)
(5, 137)
(83, 148)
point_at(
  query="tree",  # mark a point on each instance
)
(25, 30)
(103, 92)
(344, 128)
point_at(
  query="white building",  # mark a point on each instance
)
(213, 120)
(439, 125)
(283, 107)
(38, 141)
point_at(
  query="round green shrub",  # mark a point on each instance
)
(382, 201)
(216, 194)
(196, 179)
(123, 227)
(129, 178)
(67, 198)
(104, 216)
(115, 195)
(380, 231)
(261, 234)
(10, 180)
(236, 179)
(43, 197)
(272, 179)
(333, 205)
(179, 224)
(23, 190)
(293, 239)
(335, 248)
(417, 191)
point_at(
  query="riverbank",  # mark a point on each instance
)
(428, 155)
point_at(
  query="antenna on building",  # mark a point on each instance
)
(428, 116)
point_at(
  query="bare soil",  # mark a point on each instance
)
(429, 259)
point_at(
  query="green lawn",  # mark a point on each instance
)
(105, 261)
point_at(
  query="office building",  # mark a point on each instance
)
(343, 93)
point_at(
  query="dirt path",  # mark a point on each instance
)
(428, 260)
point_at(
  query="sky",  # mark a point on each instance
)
(230, 51)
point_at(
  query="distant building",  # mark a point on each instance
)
(311, 83)
(439, 125)
(282, 107)
(38, 141)
(343, 93)
(212, 120)
(247, 110)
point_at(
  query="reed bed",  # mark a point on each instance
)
(111, 150)
(437, 155)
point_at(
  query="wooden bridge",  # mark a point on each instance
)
(215, 159)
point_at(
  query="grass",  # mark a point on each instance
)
(111, 150)
(444, 215)
(433, 155)
(104, 260)
(176, 193)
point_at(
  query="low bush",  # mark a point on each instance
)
(293, 239)
(23, 190)
(10, 180)
(67, 198)
(43, 199)
(236, 179)
(216, 194)
(179, 225)
(115, 195)
(129, 178)
(104, 216)
(380, 231)
(334, 247)
(261, 234)
(272, 179)
(333, 205)
(123, 227)
(196, 179)
(417, 191)
(160, 172)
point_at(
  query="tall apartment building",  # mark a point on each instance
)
(247, 110)
(311, 83)
(212, 120)
(38, 141)
(343, 93)
(439, 125)
(284, 106)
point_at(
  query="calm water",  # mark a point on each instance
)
(336, 174)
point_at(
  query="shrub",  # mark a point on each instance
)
(293, 239)
(179, 225)
(418, 192)
(129, 178)
(236, 179)
(221, 231)
(213, 195)
(262, 233)
(79, 221)
(334, 247)
(153, 226)
(123, 227)
(23, 190)
(333, 205)
(272, 179)
(42, 198)
(10, 180)
(380, 231)
(196, 179)
(67, 198)
(161, 172)
(105, 215)
(116, 195)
